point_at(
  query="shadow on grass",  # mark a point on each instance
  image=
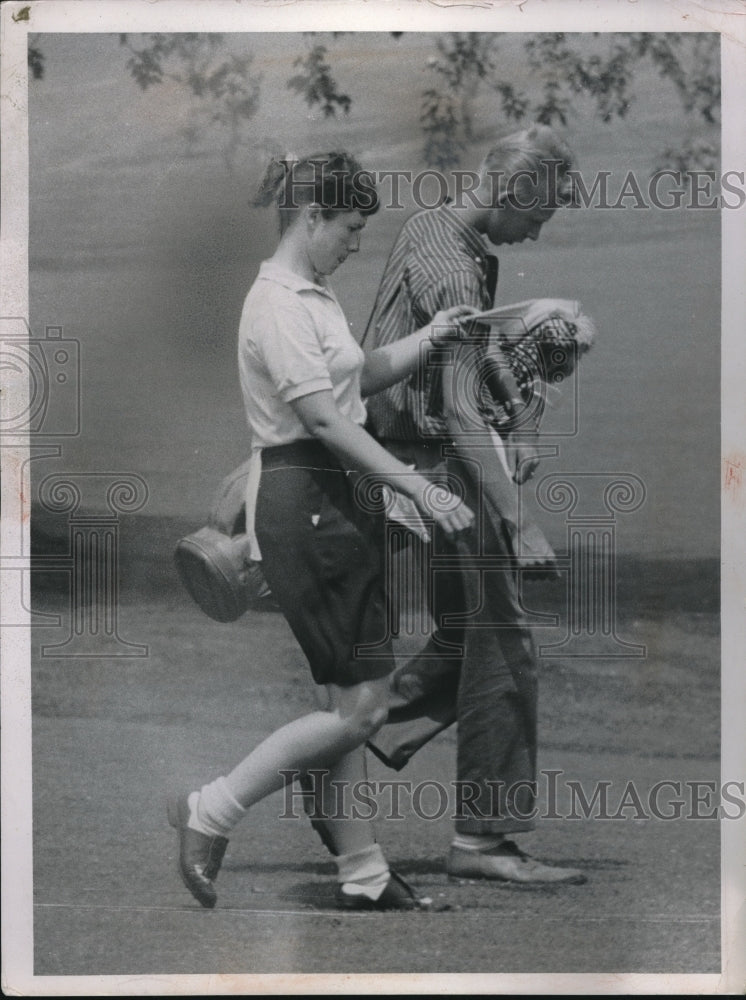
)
(645, 586)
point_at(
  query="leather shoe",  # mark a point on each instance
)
(508, 863)
(397, 895)
(200, 855)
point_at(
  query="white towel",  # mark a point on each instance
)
(252, 491)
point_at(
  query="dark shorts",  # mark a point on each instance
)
(323, 558)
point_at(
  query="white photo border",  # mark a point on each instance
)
(18, 19)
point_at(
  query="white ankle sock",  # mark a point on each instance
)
(213, 810)
(477, 842)
(364, 872)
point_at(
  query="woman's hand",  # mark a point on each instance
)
(389, 364)
(439, 504)
(446, 324)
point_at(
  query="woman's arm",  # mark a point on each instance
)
(358, 450)
(390, 364)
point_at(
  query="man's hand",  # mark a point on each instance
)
(534, 552)
(523, 454)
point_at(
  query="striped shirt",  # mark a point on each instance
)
(437, 262)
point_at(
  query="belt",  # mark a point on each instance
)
(306, 452)
(424, 453)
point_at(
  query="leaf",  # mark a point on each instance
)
(316, 84)
(36, 62)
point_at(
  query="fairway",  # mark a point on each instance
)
(108, 899)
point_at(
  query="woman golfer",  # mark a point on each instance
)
(303, 379)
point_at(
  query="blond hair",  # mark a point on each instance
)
(535, 159)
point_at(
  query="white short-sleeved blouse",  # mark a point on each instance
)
(294, 340)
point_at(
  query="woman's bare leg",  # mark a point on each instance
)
(317, 740)
(337, 805)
